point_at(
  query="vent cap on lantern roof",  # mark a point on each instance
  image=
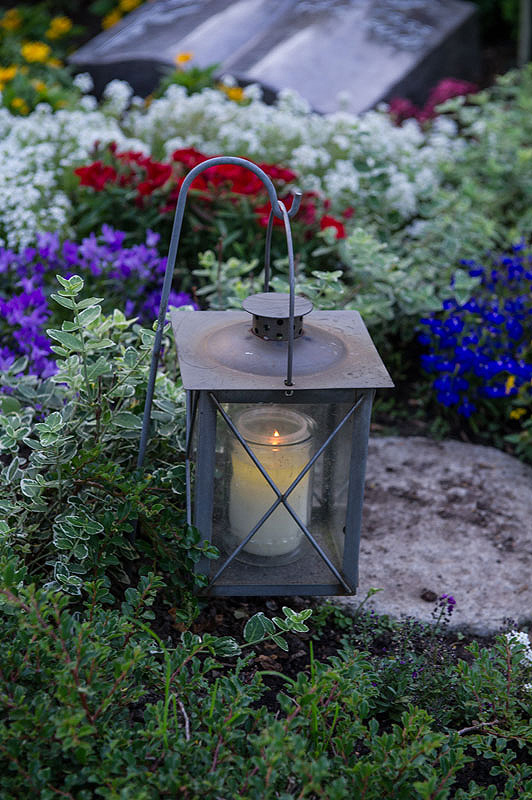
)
(271, 314)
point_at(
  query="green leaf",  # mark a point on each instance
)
(67, 302)
(80, 551)
(19, 365)
(130, 357)
(257, 627)
(89, 315)
(29, 487)
(70, 326)
(226, 647)
(9, 404)
(59, 351)
(12, 469)
(70, 341)
(72, 285)
(8, 508)
(62, 542)
(125, 419)
(89, 301)
(100, 367)
(280, 642)
(53, 422)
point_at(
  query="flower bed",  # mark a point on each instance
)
(109, 686)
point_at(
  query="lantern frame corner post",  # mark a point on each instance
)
(205, 461)
(357, 475)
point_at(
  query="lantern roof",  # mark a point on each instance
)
(218, 351)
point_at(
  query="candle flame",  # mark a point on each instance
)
(276, 434)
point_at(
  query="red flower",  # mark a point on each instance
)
(445, 90)
(156, 176)
(96, 175)
(132, 157)
(278, 173)
(308, 213)
(189, 157)
(263, 214)
(330, 222)
(157, 172)
(401, 109)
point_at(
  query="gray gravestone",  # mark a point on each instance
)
(371, 50)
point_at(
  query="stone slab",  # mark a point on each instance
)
(447, 518)
(368, 50)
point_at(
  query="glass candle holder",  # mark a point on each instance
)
(282, 441)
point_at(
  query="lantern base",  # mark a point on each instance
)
(252, 559)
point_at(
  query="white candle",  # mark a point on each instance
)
(281, 439)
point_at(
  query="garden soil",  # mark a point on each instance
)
(446, 518)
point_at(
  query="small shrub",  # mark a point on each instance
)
(69, 488)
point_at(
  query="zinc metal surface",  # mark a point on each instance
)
(345, 352)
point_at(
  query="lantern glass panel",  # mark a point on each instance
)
(284, 438)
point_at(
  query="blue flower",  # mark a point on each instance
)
(449, 398)
(477, 345)
(466, 408)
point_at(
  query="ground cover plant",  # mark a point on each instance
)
(111, 688)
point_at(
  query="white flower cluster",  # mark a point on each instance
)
(83, 81)
(362, 161)
(355, 160)
(116, 96)
(521, 638)
(34, 153)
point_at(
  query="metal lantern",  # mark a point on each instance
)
(278, 414)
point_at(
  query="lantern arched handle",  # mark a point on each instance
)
(292, 211)
(277, 209)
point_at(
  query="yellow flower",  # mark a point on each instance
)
(235, 93)
(111, 19)
(8, 73)
(182, 58)
(20, 105)
(39, 86)
(11, 20)
(128, 5)
(517, 413)
(54, 62)
(35, 51)
(510, 383)
(58, 27)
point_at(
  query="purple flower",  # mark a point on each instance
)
(150, 309)
(112, 237)
(110, 270)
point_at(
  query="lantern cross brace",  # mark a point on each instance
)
(282, 496)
